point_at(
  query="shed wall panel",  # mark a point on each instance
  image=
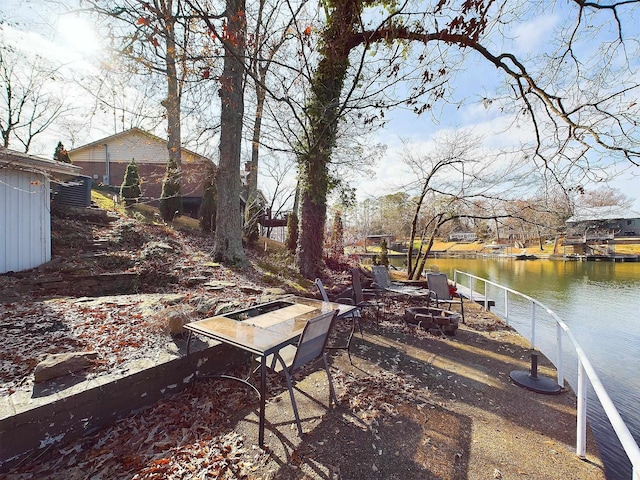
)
(25, 220)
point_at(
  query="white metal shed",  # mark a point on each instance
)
(25, 201)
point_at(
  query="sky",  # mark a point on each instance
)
(73, 41)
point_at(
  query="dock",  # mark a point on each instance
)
(475, 296)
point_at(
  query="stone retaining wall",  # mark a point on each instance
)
(32, 421)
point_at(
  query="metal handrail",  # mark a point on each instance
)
(584, 367)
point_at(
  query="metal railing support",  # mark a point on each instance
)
(581, 421)
(506, 306)
(559, 356)
(486, 296)
(533, 325)
(585, 371)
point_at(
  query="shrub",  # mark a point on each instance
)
(384, 253)
(292, 232)
(337, 236)
(207, 215)
(170, 199)
(130, 190)
(61, 155)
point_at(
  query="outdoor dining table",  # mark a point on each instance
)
(263, 330)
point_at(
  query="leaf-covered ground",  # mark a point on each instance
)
(52, 309)
(400, 414)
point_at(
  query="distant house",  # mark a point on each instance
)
(25, 205)
(106, 161)
(604, 221)
(460, 236)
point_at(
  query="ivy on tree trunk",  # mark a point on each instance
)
(323, 111)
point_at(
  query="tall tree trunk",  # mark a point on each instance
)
(422, 261)
(411, 267)
(323, 112)
(228, 236)
(251, 212)
(252, 179)
(172, 106)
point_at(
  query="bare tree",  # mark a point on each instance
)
(567, 118)
(28, 104)
(158, 38)
(279, 193)
(604, 197)
(232, 35)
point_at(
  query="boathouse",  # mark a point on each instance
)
(593, 233)
(611, 221)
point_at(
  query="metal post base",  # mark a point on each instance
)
(531, 381)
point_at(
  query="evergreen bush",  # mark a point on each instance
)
(130, 190)
(337, 236)
(170, 199)
(207, 215)
(384, 253)
(61, 155)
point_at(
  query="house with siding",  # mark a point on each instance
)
(106, 160)
(25, 205)
(608, 221)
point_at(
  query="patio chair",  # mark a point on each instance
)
(382, 280)
(354, 315)
(365, 298)
(310, 348)
(440, 292)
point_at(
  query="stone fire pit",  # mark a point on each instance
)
(433, 319)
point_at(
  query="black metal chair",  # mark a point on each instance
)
(310, 348)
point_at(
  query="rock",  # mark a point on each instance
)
(250, 289)
(155, 250)
(271, 294)
(60, 364)
(219, 285)
(274, 291)
(193, 281)
(226, 308)
(203, 305)
(174, 318)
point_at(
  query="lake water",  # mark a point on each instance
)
(600, 301)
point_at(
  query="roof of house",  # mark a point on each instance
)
(590, 214)
(129, 132)
(49, 167)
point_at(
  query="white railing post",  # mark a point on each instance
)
(506, 306)
(581, 424)
(486, 296)
(585, 372)
(533, 325)
(559, 356)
